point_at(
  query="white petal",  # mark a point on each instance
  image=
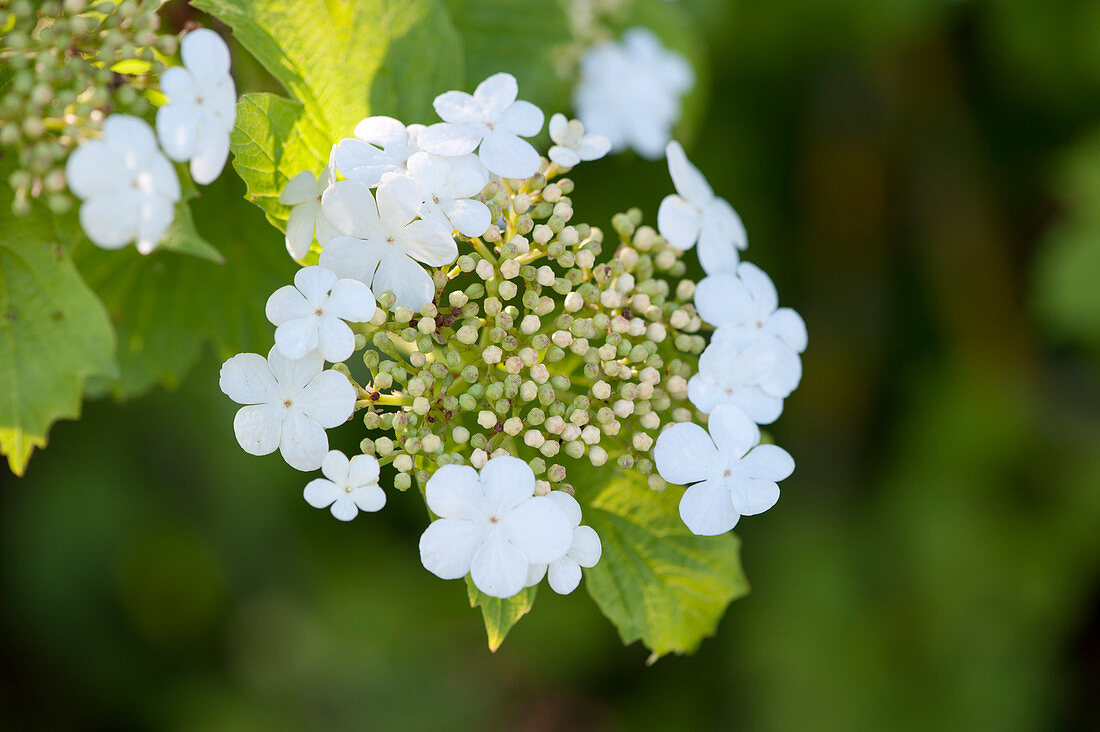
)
(110, 219)
(299, 189)
(508, 156)
(383, 131)
(178, 85)
(344, 508)
(297, 337)
(363, 470)
(303, 443)
(707, 508)
(496, 94)
(558, 124)
(349, 205)
(540, 528)
(751, 496)
(205, 54)
(788, 326)
(286, 303)
(335, 467)
(705, 393)
(131, 138)
(507, 482)
(166, 183)
(689, 182)
(563, 156)
(586, 548)
(320, 493)
(407, 280)
(300, 227)
(678, 221)
(399, 199)
(521, 118)
(93, 168)
(721, 235)
(221, 102)
(761, 287)
(361, 162)
(766, 462)
(684, 453)
(247, 379)
(325, 231)
(785, 373)
(315, 283)
(293, 374)
(457, 107)
(758, 405)
(211, 152)
(329, 399)
(369, 498)
(154, 217)
(470, 218)
(352, 258)
(568, 504)
(447, 547)
(594, 146)
(259, 428)
(351, 300)
(535, 573)
(564, 575)
(429, 242)
(723, 299)
(178, 130)
(449, 139)
(733, 432)
(499, 568)
(336, 340)
(429, 170)
(454, 492)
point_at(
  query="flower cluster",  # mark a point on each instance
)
(631, 91)
(508, 350)
(72, 62)
(128, 185)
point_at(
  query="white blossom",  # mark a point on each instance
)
(381, 145)
(202, 105)
(311, 314)
(492, 119)
(755, 376)
(584, 550)
(572, 145)
(128, 187)
(746, 305)
(381, 243)
(731, 473)
(289, 405)
(491, 525)
(630, 91)
(349, 486)
(307, 218)
(697, 215)
(448, 186)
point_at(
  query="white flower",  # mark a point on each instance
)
(697, 215)
(491, 525)
(733, 474)
(584, 551)
(129, 188)
(746, 305)
(755, 376)
(572, 144)
(310, 314)
(381, 145)
(202, 105)
(381, 243)
(630, 91)
(290, 405)
(491, 118)
(307, 219)
(448, 185)
(351, 486)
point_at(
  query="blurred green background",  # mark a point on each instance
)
(922, 180)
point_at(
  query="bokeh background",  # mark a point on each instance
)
(922, 180)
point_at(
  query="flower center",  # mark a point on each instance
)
(435, 198)
(727, 473)
(318, 312)
(347, 489)
(494, 520)
(287, 403)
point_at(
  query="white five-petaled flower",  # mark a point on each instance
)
(491, 525)
(290, 404)
(349, 486)
(630, 91)
(572, 145)
(381, 145)
(311, 314)
(755, 375)
(492, 118)
(381, 243)
(202, 105)
(697, 215)
(307, 219)
(129, 188)
(448, 184)
(584, 551)
(746, 305)
(733, 474)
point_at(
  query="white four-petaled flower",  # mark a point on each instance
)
(129, 188)
(584, 550)
(448, 185)
(311, 314)
(572, 145)
(754, 375)
(381, 243)
(290, 404)
(202, 105)
(697, 215)
(349, 486)
(381, 145)
(733, 475)
(491, 525)
(307, 218)
(491, 118)
(746, 304)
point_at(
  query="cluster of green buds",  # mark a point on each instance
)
(66, 65)
(537, 345)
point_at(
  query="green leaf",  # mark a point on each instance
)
(182, 237)
(656, 581)
(54, 334)
(500, 615)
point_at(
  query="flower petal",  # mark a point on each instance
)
(457, 107)
(294, 373)
(496, 94)
(399, 199)
(247, 379)
(508, 156)
(177, 83)
(447, 547)
(286, 303)
(733, 433)
(499, 568)
(721, 235)
(205, 54)
(557, 127)
(766, 462)
(678, 221)
(110, 219)
(297, 337)
(363, 470)
(707, 508)
(154, 217)
(321, 493)
(335, 338)
(131, 138)
(758, 405)
(751, 496)
(705, 393)
(93, 168)
(178, 130)
(568, 504)
(369, 498)
(383, 131)
(684, 453)
(564, 575)
(586, 547)
(535, 573)
(329, 399)
(259, 428)
(352, 258)
(211, 152)
(352, 301)
(563, 156)
(449, 139)
(722, 300)
(315, 283)
(407, 280)
(299, 189)
(594, 146)
(349, 205)
(300, 227)
(761, 287)
(506, 482)
(344, 508)
(303, 443)
(521, 118)
(470, 218)
(454, 492)
(429, 242)
(540, 528)
(335, 467)
(689, 182)
(361, 162)
(788, 326)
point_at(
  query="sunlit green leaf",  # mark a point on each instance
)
(500, 615)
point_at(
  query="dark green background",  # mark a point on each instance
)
(922, 181)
